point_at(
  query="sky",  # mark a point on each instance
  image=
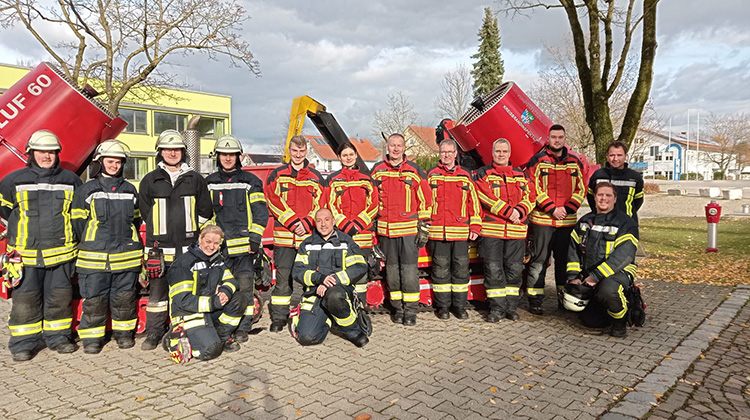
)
(350, 55)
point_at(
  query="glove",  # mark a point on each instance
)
(263, 274)
(423, 234)
(12, 271)
(180, 350)
(154, 263)
(143, 279)
(254, 247)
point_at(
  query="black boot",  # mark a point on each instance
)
(619, 328)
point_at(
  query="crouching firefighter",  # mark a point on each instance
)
(240, 210)
(106, 218)
(203, 306)
(35, 205)
(328, 264)
(602, 256)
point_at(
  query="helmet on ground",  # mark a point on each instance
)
(112, 148)
(170, 139)
(43, 140)
(227, 144)
(576, 296)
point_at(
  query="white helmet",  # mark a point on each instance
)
(227, 144)
(576, 296)
(112, 148)
(170, 139)
(43, 140)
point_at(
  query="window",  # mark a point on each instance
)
(657, 157)
(653, 150)
(211, 127)
(166, 121)
(136, 119)
(135, 168)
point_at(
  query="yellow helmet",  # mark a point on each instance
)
(112, 148)
(170, 139)
(227, 144)
(43, 140)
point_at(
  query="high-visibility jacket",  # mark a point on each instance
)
(629, 184)
(501, 190)
(318, 258)
(602, 245)
(354, 200)
(175, 213)
(558, 182)
(239, 208)
(35, 205)
(455, 205)
(405, 197)
(194, 278)
(106, 218)
(294, 196)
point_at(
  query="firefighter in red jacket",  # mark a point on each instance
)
(353, 200)
(294, 192)
(558, 180)
(405, 202)
(456, 220)
(506, 196)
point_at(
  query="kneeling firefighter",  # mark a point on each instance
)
(204, 307)
(602, 256)
(327, 264)
(106, 218)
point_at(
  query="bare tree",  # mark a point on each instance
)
(599, 67)
(732, 135)
(397, 115)
(118, 45)
(456, 93)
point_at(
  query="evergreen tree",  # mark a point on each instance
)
(488, 69)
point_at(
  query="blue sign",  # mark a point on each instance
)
(677, 160)
(638, 165)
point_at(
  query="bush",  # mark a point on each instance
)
(691, 176)
(661, 177)
(718, 175)
(651, 188)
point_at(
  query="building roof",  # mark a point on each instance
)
(705, 144)
(427, 135)
(366, 150)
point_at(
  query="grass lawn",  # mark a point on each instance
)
(676, 251)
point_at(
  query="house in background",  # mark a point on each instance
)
(420, 141)
(324, 158)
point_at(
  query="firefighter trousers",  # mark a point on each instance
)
(106, 292)
(401, 273)
(360, 285)
(157, 314)
(610, 301)
(503, 267)
(317, 313)
(450, 273)
(42, 308)
(281, 296)
(546, 241)
(243, 269)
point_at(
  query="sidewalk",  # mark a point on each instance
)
(540, 367)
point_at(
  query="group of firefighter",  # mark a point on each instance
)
(203, 242)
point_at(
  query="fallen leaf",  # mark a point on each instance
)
(528, 373)
(512, 380)
(517, 357)
(243, 396)
(239, 385)
(139, 399)
(394, 401)
(514, 402)
(493, 389)
(492, 401)
(544, 370)
(299, 413)
(290, 402)
(529, 385)
(464, 329)
(624, 389)
(460, 361)
(703, 356)
(657, 395)
(667, 357)
(363, 417)
(605, 391)
(233, 408)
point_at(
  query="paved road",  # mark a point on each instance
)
(540, 367)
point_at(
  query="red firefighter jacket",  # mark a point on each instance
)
(558, 182)
(501, 190)
(455, 205)
(354, 200)
(294, 196)
(404, 197)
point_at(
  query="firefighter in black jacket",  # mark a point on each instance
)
(174, 203)
(106, 218)
(202, 298)
(35, 205)
(629, 183)
(240, 209)
(602, 255)
(327, 263)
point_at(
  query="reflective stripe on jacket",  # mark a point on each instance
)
(405, 197)
(629, 184)
(558, 182)
(317, 258)
(455, 205)
(354, 201)
(501, 190)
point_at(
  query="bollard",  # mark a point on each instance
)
(713, 213)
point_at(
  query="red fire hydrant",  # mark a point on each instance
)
(713, 213)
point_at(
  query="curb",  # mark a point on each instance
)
(637, 403)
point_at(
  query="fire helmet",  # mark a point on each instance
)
(576, 296)
(43, 140)
(170, 139)
(227, 144)
(112, 148)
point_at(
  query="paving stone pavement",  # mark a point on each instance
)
(717, 384)
(539, 367)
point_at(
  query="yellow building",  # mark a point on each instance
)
(149, 117)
